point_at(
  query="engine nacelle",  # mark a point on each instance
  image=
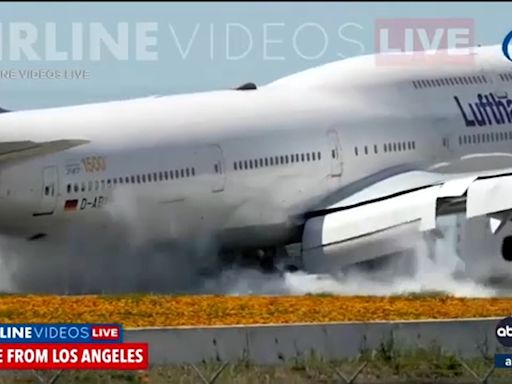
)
(484, 253)
(320, 255)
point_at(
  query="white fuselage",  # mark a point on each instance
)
(247, 165)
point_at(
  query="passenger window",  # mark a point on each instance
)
(385, 147)
(171, 175)
(133, 179)
(235, 166)
(121, 180)
(266, 161)
(286, 159)
(313, 156)
(161, 176)
(413, 145)
(182, 173)
(307, 156)
(143, 177)
(245, 165)
(83, 186)
(302, 157)
(261, 163)
(282, 160)
(96, 185)
(356, 151)
(149, 178)
(166, 175)
(138, 179)
(365, 149)
(187, 171)
(375, 148)
(271, 161)
(193, 171)
(319, 155)
(75, 187)
(68, 188)
(394, 147)
(89, 187)
(46, 190)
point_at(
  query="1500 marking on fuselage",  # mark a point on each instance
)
(94, 164)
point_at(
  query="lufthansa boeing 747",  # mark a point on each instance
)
(344, 158)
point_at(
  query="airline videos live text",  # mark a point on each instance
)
(69, 346)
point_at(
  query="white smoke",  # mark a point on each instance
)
(107, 261)
(444, 273)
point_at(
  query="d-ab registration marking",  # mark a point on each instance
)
(84, 203)
(96, 202)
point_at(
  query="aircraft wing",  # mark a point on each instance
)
(16, 151)
(411, 199)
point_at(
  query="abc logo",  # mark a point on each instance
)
(504, 332)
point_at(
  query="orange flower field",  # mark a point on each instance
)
(153, 310)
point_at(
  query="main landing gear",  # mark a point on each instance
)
(267, 260)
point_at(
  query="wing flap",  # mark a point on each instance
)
(488, 196)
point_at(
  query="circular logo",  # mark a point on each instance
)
(505, 45)
(504, 332)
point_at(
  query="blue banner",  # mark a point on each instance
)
(503, 360)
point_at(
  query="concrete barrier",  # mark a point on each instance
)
(270, 344)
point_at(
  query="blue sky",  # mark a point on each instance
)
(203, 46)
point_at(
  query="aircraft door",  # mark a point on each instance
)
(334, 153)
(219, 172)
(48, 191)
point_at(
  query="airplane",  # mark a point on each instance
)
(351, 160)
